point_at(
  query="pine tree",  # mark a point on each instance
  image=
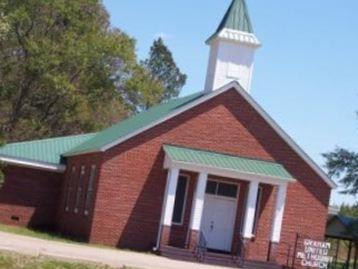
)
(343, 164)
(163, 69)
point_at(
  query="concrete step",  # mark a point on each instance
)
(213, 258)
(178, 254)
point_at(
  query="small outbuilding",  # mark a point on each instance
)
(344, 230)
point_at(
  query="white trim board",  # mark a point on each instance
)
(57, 168)
(232, 85)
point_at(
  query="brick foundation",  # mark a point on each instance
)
(273, 252)
(193, 239)
(165, 235)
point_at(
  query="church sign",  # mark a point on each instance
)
(314, 254)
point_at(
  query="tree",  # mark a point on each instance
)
(349, 210)
(343, 164)
(63, 69)
(163, 69)
(141, 91)
(2, 177)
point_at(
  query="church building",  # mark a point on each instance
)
(208, 177)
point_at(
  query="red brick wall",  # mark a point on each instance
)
(259, 245)
(71, 223)
(29, 197)
(132, 178)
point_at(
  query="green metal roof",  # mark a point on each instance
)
(236, 18)
(132, 124)
(46, 150)
(225, 161)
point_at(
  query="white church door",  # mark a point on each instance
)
(219, 215)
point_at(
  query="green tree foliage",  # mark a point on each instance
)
(141, 91)
(64, 70)
(349, 210)
(343, 164)
(1, 167)
(163, 69)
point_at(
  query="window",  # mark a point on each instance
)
(89, 195)
(211, 187)
(257, 210)
(180, 199)
(221, 189)
(227, 190)
(79, 188)
(69, 190)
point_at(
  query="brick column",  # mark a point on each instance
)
(197, 211)
(168, 206)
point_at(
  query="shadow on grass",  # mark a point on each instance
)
(41, 233)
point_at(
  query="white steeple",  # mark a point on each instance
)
(232, 49)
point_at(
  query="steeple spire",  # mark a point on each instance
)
(237, 18)
(232, 49)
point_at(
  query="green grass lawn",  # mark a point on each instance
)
(35, 233)
(15, 261)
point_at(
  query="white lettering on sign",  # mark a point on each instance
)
(315, 254)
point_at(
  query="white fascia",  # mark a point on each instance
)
(232, 85)
(172, 115)
(241, 37)
(57, 168)
(286, 138)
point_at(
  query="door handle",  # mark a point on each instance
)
(211, 226)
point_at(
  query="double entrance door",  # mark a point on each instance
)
(219, 215)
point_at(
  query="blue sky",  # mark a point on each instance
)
(306, 73)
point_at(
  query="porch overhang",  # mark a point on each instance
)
(225, 165)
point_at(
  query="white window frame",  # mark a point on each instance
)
(238, 185)
(187, 176)
(257, 210)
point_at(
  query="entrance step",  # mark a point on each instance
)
(213, 258)
(187, 255)
(220, 259)
(178, 254)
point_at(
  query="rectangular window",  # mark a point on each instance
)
(69, 190)
(211, 187)
(227, 190)
(79, 188)
(89, 195)
(257, 210)
(180, 199)
(221, 189)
